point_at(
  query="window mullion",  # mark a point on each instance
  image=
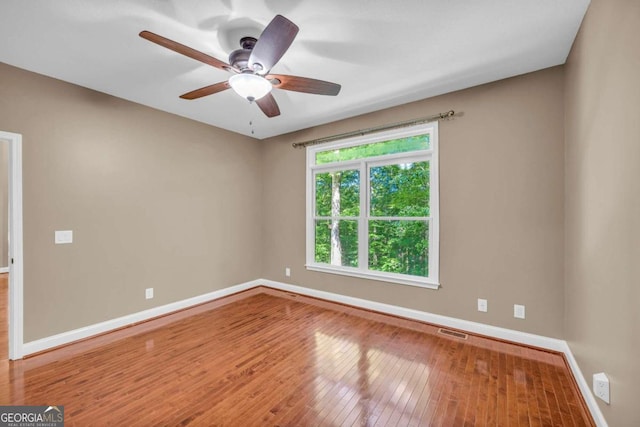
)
(363, 226)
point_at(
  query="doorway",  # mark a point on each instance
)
(15, 264)
(4, 248)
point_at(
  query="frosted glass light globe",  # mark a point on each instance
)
(250, 86)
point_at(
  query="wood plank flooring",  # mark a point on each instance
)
(265, 357)
(4, 315)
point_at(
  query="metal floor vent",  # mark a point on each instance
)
(452, 333)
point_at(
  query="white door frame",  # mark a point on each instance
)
(16, 338)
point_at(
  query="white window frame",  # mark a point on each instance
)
(431, 155)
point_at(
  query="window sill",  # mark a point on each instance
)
(384, 277)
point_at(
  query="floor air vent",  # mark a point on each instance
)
(452, 333)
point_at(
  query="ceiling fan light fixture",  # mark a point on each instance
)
(252, 63)
(250, 86)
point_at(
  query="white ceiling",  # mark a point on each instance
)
(383, 53)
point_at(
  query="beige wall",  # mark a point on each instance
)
(501, 186)
(154, 200)
(159, 201)
(602, 301)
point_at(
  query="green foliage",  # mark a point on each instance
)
(348, 242)
(349, 182)
(399, 247)
(398, 190)
(402, 145)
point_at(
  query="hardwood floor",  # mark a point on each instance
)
(4, 316)
(265, 357)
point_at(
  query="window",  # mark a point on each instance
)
(372, 206)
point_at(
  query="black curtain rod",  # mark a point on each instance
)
(441, 116)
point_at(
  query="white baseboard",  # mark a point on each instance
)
(451, 322)
(465, 325)
(4, 270)
(583, 385)
(113, 324)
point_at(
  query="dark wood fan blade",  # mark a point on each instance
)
(268, 105)
(304, 84)
(272, 44)
(207, 90)
(185, 50)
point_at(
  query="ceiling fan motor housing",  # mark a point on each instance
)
(239, 58)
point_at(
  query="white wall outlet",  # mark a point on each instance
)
(148, 293)
(287, 272)
(518, 311)
(482, 305)
(63, 236)
(601, 386)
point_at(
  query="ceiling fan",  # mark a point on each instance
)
(250, 66)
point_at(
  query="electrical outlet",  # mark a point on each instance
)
(518, 311)
(482, 305)
(601, 386)
(148, 293)
(287, 272)
(63, 237)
